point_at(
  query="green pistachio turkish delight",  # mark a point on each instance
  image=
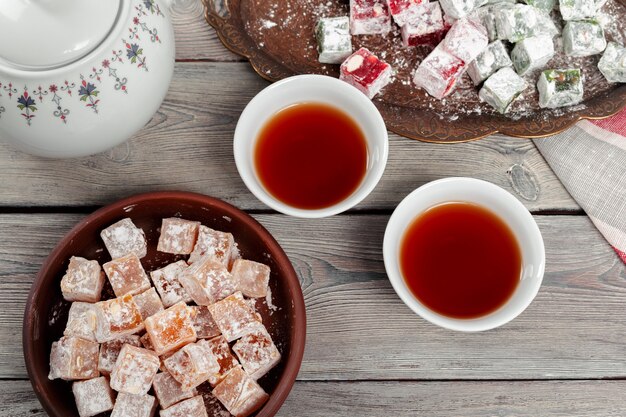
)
(560, 88)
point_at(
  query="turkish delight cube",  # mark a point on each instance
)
(240, 394)
(577, 9)
(123, 238)
(426, 27)
(489, 61)
(220, 348)
(366, 72)
(234, 317)
(110, 351)
(83, 280)
(583, 38)
(560, 87)
(502, 88)
(73, 358)
(439, 72)
(80, 322)
(148, 303)
(93, 396)
(178, 236)
(167, 284)
(207, 281)
(458, 9)
(219, 245)
(369, 17)
(334, 43)
(403, 11)
(193, 364)
(613, 63)
(485, 15)
(116, 318)
(546, 5)
(126, 275)
(466, 39)
(171, 328)
(257, 353)
(521, 21)
(251, 278)
(203, 322)
(131, 405)
(532, 53)
(169, 391)
(193, 407)
(134, 370)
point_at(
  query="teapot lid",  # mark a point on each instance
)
(46, 34)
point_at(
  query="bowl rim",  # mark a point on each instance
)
(298, 320)
(390, 257)
(250, 178)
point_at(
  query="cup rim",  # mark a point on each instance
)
(248, 173)
(394, 274)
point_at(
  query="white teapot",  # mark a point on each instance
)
(78, 77)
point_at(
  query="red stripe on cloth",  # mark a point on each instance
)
(621, 254)
(615, 124)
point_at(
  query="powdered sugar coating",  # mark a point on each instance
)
(193, 407)
(257, 353)
(80, 323)
(129, 405)
(123, 238)
(251, 278)
(207, 281)
(404, 11)
(134, 370)
(439, 72)
(234, 317)
(72, 358)
(240, 394)
(148, 303)
(93, 396)
(213, 243)
(366, 72)
(83, 280)
(203, 322)
(426, 27)
(126, 275)
(167, 284)
(220, 348)
(192, 365)
(178, 236)
(170, 329)
(116, 317)
(466, 39)
(489, 61)
(369, 17)
(169, 391)
(110, 351)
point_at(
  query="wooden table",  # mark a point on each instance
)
(367, 354)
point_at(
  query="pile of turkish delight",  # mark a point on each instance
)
(497, 42)
(190, 323)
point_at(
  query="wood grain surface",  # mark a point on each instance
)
(367, 354)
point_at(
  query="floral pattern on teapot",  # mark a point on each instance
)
(33, 101)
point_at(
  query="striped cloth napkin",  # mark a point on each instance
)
(590, 160)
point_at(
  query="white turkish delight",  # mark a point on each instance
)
(334, 43)
(207, 281)
(489, 61)
(178, 236)
(219, 245)
(366, 72)
(486, 16)
(130, 405)
(501, 89)
(110, 351)
(560, 88)
(583, 38)
(240, 394)
(522, 21)
(169, 391)
(532, 53)
(80, 322)
(466, 39)
(123, 238)
(167, 284)
(369, 17)
(134, 370)
(83, 280)
(613, 63)
(93, 396)
(126, 275)
(426, 27)
(403, 11)
(193, 407)
(577, 9)
(546, 5)
(439, 72)
(458, 8)
(257, 353)
(73, 358)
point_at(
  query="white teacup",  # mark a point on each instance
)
(318, 89)
(500, 202)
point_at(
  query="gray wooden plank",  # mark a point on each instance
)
(188, 146)
(408, 399)
(195, 39)
(359, 329)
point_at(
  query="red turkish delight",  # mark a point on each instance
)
(439, 72)
(426, 27)
(366, 72)
(369, 17)
(403, 11)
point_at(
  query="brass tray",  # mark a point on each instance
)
(277, 38)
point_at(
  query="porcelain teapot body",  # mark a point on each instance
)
(90, 75)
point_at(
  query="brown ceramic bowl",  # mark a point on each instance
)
(46, 310)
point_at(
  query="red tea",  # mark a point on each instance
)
(311, 156)
(460, 260)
